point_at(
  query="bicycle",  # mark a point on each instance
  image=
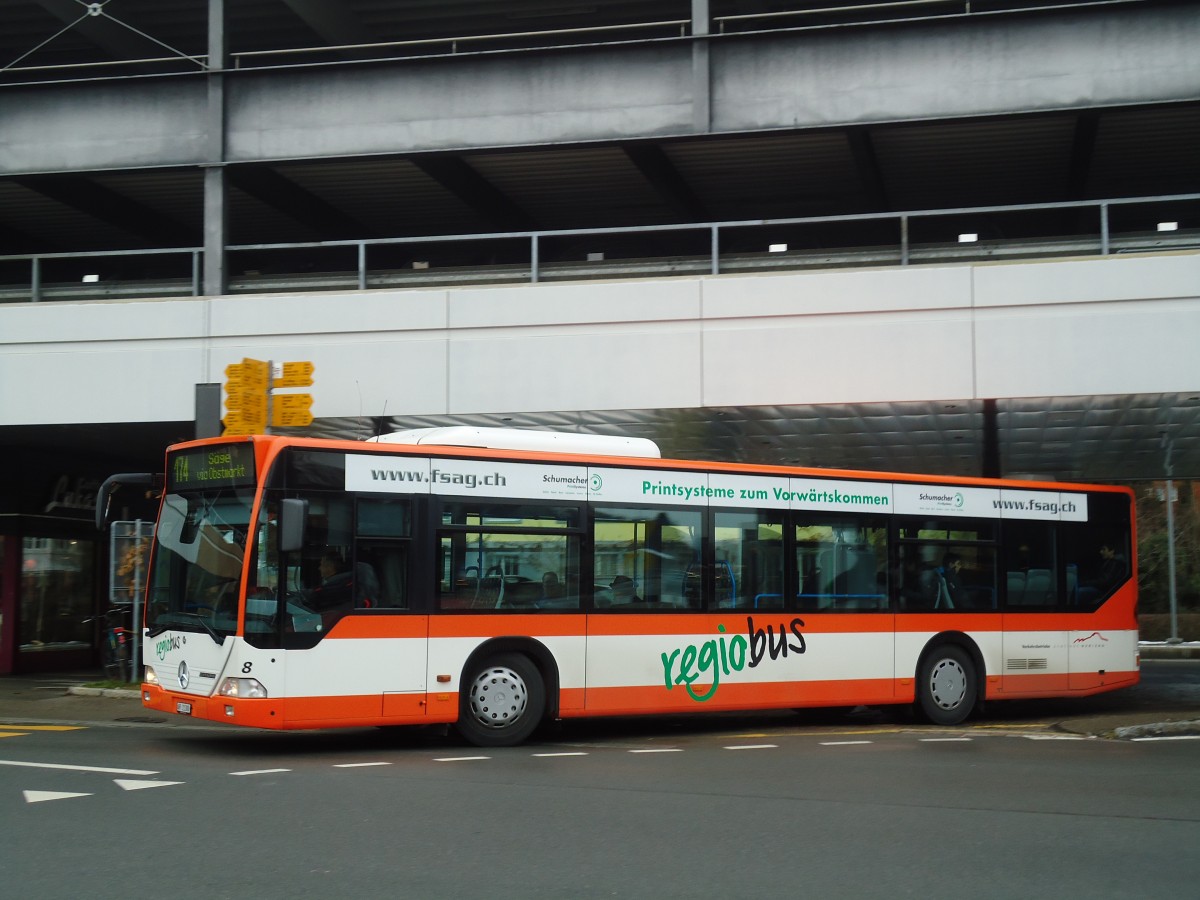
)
(115, 645)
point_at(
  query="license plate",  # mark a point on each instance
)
(184, 709)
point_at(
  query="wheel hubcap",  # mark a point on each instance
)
(499, 697)
(947, 684)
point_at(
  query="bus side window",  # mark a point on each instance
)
(654, 553)
(390, 563)
(1097, 562)
(1031, 565)
(841, 563)
(750, 565)
(946, 565)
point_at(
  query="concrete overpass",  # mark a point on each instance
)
(1084, 363)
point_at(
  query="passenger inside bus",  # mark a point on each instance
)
(337, 583)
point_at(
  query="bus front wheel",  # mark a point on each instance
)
(946, 685)
(502, 701)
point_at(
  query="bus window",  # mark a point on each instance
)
(508, 557)
(842, 564)
(1030, 565)
(947, 566)
(1096, 559)
(381, 553)
(749, 561)
(648, 558)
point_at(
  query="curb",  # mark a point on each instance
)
(1169, 651)
(1189, 728)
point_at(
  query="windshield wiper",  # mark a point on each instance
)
(167, 621)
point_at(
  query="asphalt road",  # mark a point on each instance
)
(1020, 803)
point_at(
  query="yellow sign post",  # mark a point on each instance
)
(251, 405)
(246, 387)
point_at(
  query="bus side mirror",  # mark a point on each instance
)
(293, 518)
(110, 486)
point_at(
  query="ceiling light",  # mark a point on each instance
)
(777, 248)
(90, 279)
(595, 257)
(1168, 226)
(968, 238)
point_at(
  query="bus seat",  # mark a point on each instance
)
(522, 594)
(1039, 587)
(366, 586)
(1016, 588)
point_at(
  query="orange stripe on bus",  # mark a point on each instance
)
(1061, 684)
(380, 627)
(1113, 617)
(493, 625)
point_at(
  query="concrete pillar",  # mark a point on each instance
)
(216, 190)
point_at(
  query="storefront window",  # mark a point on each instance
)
(56, 594)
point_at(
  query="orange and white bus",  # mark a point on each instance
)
(495, 579)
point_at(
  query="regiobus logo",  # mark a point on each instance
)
(166, 645)
(710, 660)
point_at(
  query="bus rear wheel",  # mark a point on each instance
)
(946, 685)
(502, 701)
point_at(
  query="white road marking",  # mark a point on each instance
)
(843, 743)
(552, 755)
(753, 747)
(40, 796)
(945, 740)
(1055, 737)
(660, 750)
(459, 758)
(34, 765)
(260, 772)
(359, 765)
(130, 785)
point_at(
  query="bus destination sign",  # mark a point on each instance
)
(213, 466)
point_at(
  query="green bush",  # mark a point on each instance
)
(1157, 626)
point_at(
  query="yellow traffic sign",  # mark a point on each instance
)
(247, 402)
(291, 410)
(235, 424)
(292, 402)
(249, 372)
(281, 418)
(294, 374)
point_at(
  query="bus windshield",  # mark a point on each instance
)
(199, 555)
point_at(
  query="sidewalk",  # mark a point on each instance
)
(62, 699)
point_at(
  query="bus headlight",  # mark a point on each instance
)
(149, 676)
(243, 688)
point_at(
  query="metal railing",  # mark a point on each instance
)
(910, 238)
(893, 10)
(846, 13)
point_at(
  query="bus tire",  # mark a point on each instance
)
(947, 685)
(502, 701)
